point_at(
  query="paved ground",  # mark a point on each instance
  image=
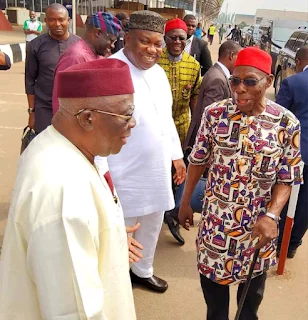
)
(286, 296)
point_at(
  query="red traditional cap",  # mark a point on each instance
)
(254, 57)
(175, 24)
(99, 78)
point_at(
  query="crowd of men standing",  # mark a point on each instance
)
(119, 129)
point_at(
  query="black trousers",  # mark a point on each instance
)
(301, 216)
(217, 298)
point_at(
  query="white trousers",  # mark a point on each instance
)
(147, 235)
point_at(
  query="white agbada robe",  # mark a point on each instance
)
(141, 172)
(65, 252)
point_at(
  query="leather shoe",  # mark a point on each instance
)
(153, 283)
(290, 255)
(174, 227)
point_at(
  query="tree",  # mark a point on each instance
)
(242, 25)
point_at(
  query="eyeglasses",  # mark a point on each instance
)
(113, 41)
(175, 38)
(126, 118)
(249, 82)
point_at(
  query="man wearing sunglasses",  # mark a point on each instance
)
(102, 30)
(65, 251)
(251, 146)
(183, 72)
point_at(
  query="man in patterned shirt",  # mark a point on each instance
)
(251, 146)
(183, 72)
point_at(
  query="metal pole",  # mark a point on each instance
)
(288, 228)
(15, 3)
(33, 7)
(74, 16)
(41, 5)
(194, 6)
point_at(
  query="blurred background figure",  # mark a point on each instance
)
(196, 47)
(32, 27)
(221, 33)
(199, 33)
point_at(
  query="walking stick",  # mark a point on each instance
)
(247, 284)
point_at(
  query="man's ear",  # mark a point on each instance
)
(128, 38)
(86, 120)
(97, 32)
(269, 80)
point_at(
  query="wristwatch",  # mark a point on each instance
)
(273, 216)
(30, 110)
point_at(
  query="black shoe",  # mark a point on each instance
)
(291, 253)
(174, 227)
(153, 283)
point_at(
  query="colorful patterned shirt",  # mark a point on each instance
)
(185, 81)
(247, 157)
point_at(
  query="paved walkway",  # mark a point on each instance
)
(286, 297)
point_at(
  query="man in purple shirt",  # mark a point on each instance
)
(102, 30)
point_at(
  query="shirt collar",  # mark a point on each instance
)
(190, 39)
(224, 69)
(175, 59)
(305, 67)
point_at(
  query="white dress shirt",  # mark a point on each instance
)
(224, 69)
(188, 44)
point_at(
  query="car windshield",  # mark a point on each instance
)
(282, 34)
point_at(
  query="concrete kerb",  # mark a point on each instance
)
(16, 51)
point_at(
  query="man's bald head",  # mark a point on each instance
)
(57, 20)
(56, 7)
(301, 58)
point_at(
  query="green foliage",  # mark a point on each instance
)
(242, 25)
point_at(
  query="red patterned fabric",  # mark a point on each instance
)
(254, 57)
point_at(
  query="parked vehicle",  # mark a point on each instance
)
(285, 65)
(275, 34)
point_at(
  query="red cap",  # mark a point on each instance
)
(254, 57)
(175, 24)
(99, 78)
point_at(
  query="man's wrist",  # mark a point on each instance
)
(272, 216)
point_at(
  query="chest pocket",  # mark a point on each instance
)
(266, 160)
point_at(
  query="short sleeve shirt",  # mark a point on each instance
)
(247, 157)
(33, 26)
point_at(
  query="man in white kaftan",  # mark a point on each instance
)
(142, 172)
(65, 252)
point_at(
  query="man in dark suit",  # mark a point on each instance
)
(196, 47)
(293, 95)
(215, 87)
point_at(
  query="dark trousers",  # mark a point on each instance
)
(211, 37)
(217, 298)
(301, 216)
